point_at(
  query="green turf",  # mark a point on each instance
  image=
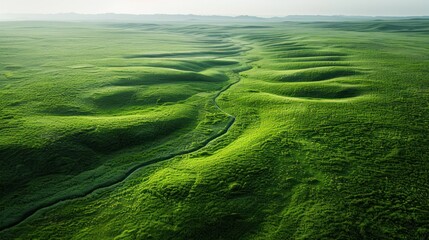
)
(196, 131)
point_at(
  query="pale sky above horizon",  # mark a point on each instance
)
(264, 8)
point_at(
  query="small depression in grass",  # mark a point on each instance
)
(185, 54)
(65, 110)
(168, 76)
(327, 93)
(81, 66)
(313, 91)
(302, 65)
(143, 97)
(310, 53)
(313, 59)
(312, 75)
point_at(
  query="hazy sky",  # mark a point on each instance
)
(221, 7)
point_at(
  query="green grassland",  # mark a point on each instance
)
(214, 131)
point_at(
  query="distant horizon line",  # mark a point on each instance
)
(217, 15)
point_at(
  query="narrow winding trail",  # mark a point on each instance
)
(113, 182)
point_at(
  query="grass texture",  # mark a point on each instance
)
(220, 131)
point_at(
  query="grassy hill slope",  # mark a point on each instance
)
(329, 138)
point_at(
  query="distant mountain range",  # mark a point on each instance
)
(112, 17)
